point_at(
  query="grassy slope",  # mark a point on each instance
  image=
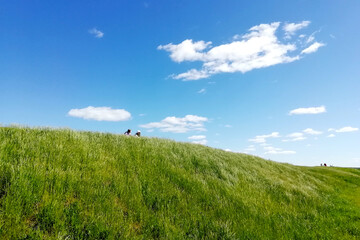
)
(58, 184)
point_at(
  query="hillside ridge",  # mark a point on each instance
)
(65, 184)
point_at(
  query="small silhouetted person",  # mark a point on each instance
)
(324, 164)
(128, 132)
(138, 133)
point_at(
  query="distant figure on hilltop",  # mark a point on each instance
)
(128, 132)
(138, 133)
(324, 164)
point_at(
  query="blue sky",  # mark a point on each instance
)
(275, 79)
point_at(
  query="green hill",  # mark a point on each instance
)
(63, 184)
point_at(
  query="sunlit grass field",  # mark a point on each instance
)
(64, 184)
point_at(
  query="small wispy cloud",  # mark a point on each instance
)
(331, 135)
(344, 129)
(250, 148)
(202, 91)
(291, 28)
(178, 125)
(312, 131)
(228, 126)
(101, 114)
(201, 142)
(312, 48)
(199, 139)
(97, 33)
(262, 138)
(294, 137)
(274, 150)
(310, 110)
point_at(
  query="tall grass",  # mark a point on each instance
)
(63, 184)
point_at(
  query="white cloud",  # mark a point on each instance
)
(202, 142)
(203, 90)
(259, 48)
(311, 38)
(310, 110)
(250, 148)
(312, 131)
(197, 137)
(294, 137)
(273, 150)
(280, 152)
(331, 135)
(291, 28)
(179, 125)
(262, 138)
(347, 129)
(228, 126)
(97, 33)
(312, 48)
(186, 51)
(101, 114)
(192, 74)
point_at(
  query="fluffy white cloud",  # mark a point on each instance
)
(179, 125)
(273, 150)
(310, 110)
(312, 131)
(262, 138)
(291, 28)
(186, 51)
(96, 33)
(346, 129)
(259, 48)
(312, 48)
(331, 135)
(294, 137)
(101, 114)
